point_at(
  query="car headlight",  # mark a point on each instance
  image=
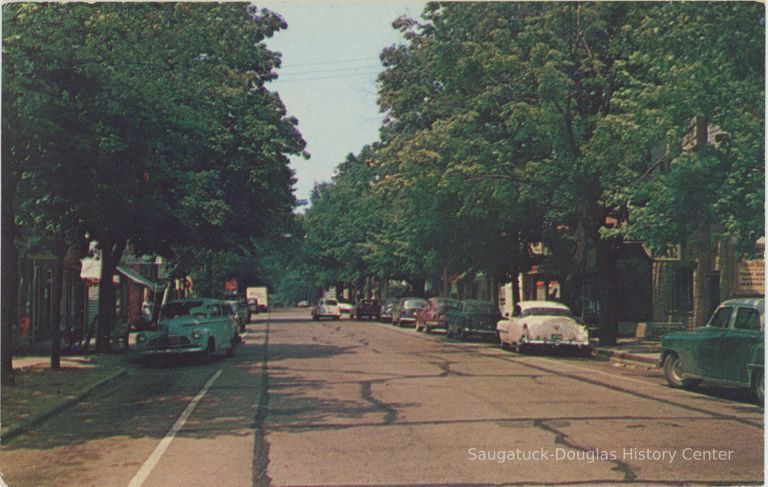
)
(196, 334)
(141, 338)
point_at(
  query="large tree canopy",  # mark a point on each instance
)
(508, 123)
(145, 123)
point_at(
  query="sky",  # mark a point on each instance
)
(330, 60)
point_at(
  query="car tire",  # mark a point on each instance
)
(460, 334)
(206, 357)
(758, 386)
(427, 329)
(674, 375)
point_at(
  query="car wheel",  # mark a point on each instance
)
(758, 386)
(460, 334)
(206, 357)
(673, 372)
(427, 329)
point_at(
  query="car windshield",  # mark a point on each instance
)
(446, 304)
(330, 302)
(479, 307)
(414, 303)
(179, 308)
(546, 312)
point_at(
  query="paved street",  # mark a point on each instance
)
(350, 402)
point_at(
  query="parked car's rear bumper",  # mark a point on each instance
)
(437, 324)
(479, 331)
(552, 344)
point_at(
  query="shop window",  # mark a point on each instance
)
(682, 289)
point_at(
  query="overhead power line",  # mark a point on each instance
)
(351, 68)
(326, 62)
(326, 77)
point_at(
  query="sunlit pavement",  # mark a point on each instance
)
(359, 402)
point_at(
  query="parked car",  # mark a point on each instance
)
(405, 311)
(473, 317)
(326, 308)
(433, 314)
(368, 308)
(543, 325)
(387, 308)
(241, 314)
(729, 349)
(347, 309)
(303, 304)
(253, 308)
(200, 326)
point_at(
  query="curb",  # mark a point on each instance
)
(627, 358)
(17, 429)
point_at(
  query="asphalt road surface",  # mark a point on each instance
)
(358, 402)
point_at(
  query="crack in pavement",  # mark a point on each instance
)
(261, 445)
(562, 439)
(365, 391)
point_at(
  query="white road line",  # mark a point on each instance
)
(151, 462)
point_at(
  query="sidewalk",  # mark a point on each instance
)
(631, 351)
(41, 392)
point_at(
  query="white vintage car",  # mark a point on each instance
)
(326, 308)
(543, 325)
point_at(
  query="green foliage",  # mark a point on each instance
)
(147, 122)
(508, 123)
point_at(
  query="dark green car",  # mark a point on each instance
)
(729, 349)
(473, 317)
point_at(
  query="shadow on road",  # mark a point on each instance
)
(147, 402)
(306, 351)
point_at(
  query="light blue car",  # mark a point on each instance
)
(202, 326)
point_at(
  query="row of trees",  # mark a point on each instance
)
(510, 123)
(141, 125)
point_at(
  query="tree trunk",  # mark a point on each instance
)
(515, 287)
(112, 251)
(418, 287)
(607, 284)
(58, 286)
(9, 278)
(702, 279)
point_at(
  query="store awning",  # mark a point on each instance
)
(139, 279)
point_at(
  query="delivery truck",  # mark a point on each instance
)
(257, 298)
